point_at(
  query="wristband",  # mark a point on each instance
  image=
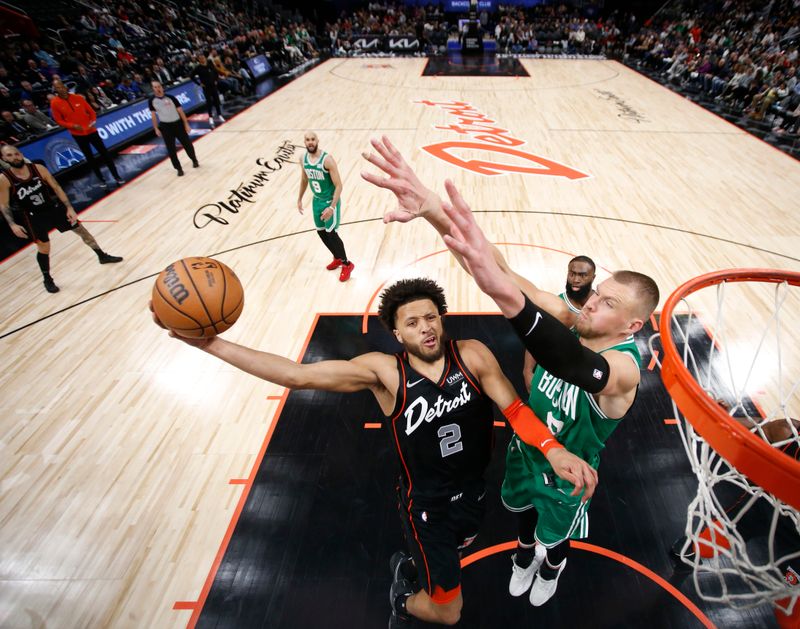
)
(530, 428)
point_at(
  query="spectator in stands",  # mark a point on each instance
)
(98, 96)
(6, 101)
(33, 75)
(87, 23)
(289, 44)
(38, 121)
(72, 112)
(49, 74)
(240, 69)
(227, 81)
(129, 89)
(13, 130)
(111, 92)
(43, 55)
(749, 44)
(4, 77)
(25, 91)
(93, 103)
(206, 76)
(124, 55)
(161, 73)
(83, 79)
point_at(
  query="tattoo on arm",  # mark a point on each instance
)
(6, 210)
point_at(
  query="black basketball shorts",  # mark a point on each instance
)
(436, 532)
(39, 223)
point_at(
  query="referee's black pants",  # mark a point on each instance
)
(85, 143)
(171, 131)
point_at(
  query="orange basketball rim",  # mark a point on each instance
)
(749, 454)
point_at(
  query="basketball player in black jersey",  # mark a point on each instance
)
(436, 398)
(33, 203)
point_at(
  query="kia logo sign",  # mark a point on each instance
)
(366, 43)
(403, 43)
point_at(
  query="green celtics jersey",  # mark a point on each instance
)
(319, 179)
(572, 414)
(572, 307)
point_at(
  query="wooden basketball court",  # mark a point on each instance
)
(126, 456)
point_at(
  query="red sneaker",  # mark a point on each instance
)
(335, 264)
(347, 269)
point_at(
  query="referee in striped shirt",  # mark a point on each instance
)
(170, 123)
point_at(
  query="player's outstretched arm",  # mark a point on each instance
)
(328, 375)
(550, 342)
(415, 200)
(524, 421)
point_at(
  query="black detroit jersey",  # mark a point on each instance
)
(442, 430)
(33, 194)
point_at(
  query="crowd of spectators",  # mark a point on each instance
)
(428, 24)
(543, 29)
(554, 29)
(738, 54)
(110, 53)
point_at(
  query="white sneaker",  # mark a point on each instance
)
(521, 578)
(543, 590)
(220, 118)
(211, 122)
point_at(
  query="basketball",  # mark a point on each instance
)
(198, 297)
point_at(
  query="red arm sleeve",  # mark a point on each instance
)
(530, 428)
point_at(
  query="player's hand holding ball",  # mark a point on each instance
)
(196, 299)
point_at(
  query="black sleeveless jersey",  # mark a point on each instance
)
(442, 430)
(33, 194)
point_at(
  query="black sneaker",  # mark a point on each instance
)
(398, 595)
(195, 164)
(50, 285)
(120, 181)
(103, 185)
(180, 172)
(108, 259)
(402, 567)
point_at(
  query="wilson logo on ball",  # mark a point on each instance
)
(197, 297)
(176, 288)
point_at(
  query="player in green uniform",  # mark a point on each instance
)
(588, 375)
(580, 277)
(319, 171)
(547, 515)
(578, 289)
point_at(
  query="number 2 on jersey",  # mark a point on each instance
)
(450, 436)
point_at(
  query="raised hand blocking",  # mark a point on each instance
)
(466, 239)
(412, 195)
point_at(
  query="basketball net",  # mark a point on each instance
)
(734, 393)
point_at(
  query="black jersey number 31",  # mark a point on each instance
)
(450, 436)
